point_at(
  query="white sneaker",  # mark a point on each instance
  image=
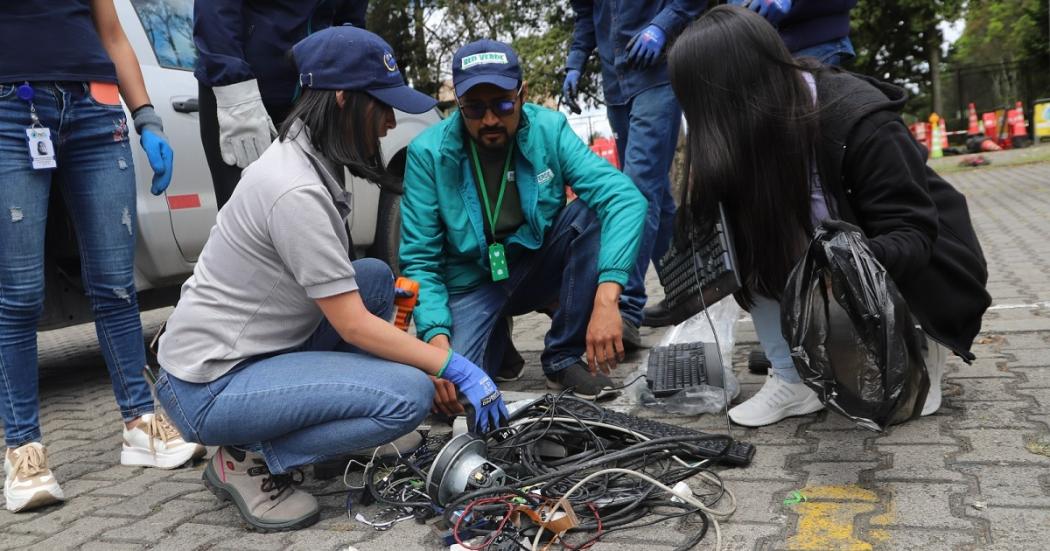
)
(28, 482)
(935, 358)
(155, 443)
(776, 400)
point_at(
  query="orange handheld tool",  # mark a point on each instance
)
(405, 304)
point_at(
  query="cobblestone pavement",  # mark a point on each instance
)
(974, 476)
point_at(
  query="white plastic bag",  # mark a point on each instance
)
(703, 398)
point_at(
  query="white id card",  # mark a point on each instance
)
(41, 150)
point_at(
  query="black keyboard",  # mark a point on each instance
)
(739, 453)
(680, 366)
(704, 262)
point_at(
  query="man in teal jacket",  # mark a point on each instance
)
(487, 233)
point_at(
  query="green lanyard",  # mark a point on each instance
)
(497, 256)
(493, 218)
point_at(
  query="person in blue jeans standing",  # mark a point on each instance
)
(487, 233)
(281, 349)
(631, 38)
(63, 130)
(809, 28)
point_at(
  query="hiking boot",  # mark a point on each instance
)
(583, 384)
(154, 442)
(632, 340)
(28, 482)
(267, 502)
(657, 315)
(776, 400)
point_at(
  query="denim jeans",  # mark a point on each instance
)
(564, 270)
(96, 178)
(646, 131)
(835, 52)
(320, 400)
(766, 316)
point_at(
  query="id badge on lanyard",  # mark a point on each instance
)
(38, 136)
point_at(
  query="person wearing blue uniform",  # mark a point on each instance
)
(247, 80)
(809, 28)
(63, 130)
(631, 38)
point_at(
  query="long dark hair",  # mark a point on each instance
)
(347, 135)
(753, 130)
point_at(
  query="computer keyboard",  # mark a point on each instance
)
(739, 453)
(680, 366)
(704, 262)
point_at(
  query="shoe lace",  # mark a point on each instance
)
(279, 484)
(31, 462)
(158, 428)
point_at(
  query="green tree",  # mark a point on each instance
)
(898, 41)
(998, 31)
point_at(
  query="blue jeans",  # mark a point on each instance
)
(646, 131)
(766, 316)
(96, 178)
(835, 52)
(320, 400)
(564, 270)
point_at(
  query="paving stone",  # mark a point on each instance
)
(924, 430)
(992, 415)
(191, 536)
(56, 519)
(17, 541)
(768, 464)
(834, 473)
(920, 538)
(162, 519)
(984, 390)
(741, 536)
(921, 505)
(918, 463)
(981, 367)
(1020, 343)
(843, 446)
(1017, 528)
(254, 542)
(998, 446)
(157, 494)
(1007, 486)
(133, 481)
(110, 546)
(1035, 378)
(79, 531)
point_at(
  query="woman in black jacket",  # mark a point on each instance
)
(786, 145)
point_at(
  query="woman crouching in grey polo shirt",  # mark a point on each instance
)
(280, 350)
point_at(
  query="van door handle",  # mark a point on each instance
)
(187, 105)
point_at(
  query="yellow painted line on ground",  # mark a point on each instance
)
(826, 519)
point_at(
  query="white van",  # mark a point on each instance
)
(172, 228)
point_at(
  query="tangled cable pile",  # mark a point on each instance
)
(569, 479)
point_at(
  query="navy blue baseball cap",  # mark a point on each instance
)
(351, 58)
(485, 62)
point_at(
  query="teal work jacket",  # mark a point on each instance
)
(443, 243)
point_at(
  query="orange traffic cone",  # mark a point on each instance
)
(974, 127)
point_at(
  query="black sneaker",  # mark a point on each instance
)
(757, 362)
(657, 315)
(512, 367)
(632, 340)
(584, 385)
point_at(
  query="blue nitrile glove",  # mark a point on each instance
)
(773, 10)
(570, 89)
(645, 47)
(479, 390)
(155, 144)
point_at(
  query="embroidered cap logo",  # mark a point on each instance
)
(389, 62)
(483, 58)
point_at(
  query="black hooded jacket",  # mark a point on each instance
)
(917, 224)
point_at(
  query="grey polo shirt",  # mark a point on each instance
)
(279, 244)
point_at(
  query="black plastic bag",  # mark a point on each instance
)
(852, 337)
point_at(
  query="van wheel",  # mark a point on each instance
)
(388, 230)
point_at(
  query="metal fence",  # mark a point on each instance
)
(994, 86)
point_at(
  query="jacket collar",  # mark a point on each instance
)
(453, 138)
